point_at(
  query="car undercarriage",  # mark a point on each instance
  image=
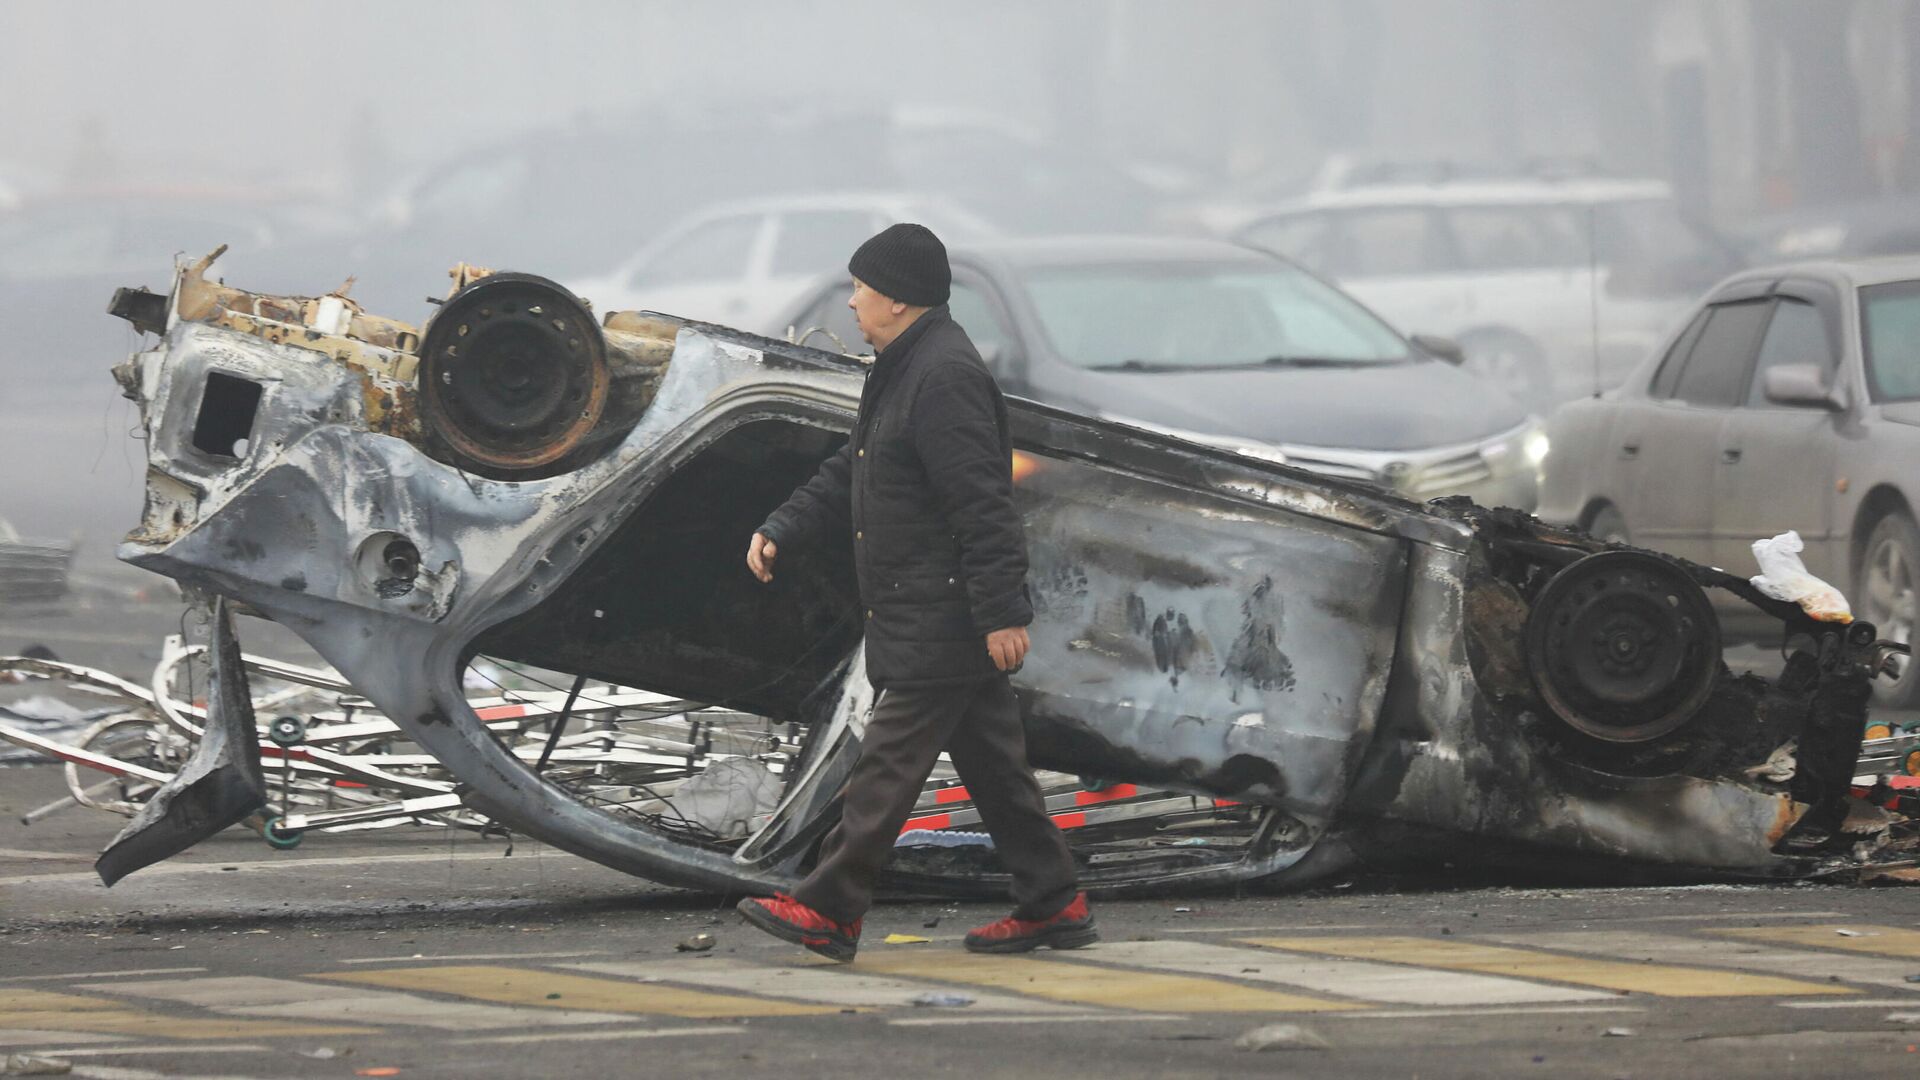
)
(1240, 671)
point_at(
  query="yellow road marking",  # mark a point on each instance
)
(1662, 980)
(530, 986)
(1880, 940)
(1085, 984)
(72, 1012)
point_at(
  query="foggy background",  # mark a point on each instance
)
(389, 141)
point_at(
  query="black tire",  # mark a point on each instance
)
(1608, 525)
(1884, 594)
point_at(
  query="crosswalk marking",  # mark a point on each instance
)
(75, 976)
(1852, 1003)
(252, 995)
(72, 1012)
(1087, 984)
(1883, 940)
(602, 1036)
(1346, 978)
(552, 989)
(1712, 952)
(1097, 1017)
(418, 958)
(837, 985)
(1496, 1010)
(41, 1037)
(1662, 980)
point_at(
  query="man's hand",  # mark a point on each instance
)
(760, 555)
(1008, 647)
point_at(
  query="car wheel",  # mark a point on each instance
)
(1608, 525)
(1513, 361)
(1884, 592)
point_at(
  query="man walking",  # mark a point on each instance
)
(926, 484)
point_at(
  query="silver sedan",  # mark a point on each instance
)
(1789, 399)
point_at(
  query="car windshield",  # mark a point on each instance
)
(1199, 315)
(1890, 320)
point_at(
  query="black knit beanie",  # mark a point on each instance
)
(906, 263)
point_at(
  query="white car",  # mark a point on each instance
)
(1554, 288)
(740, 263)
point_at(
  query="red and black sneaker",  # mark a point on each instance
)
(790, 920)
(1072, 928)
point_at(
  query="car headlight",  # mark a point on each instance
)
(1536, 446)
(1529, 443)
(1252, 448)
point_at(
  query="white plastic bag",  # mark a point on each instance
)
(1784, 577)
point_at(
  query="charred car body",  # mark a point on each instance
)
(1332, 672)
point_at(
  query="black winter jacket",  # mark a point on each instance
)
(927, 482)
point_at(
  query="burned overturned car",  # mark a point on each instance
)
(1240, 670)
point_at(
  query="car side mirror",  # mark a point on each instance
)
(1440, 348)
(1803, 385)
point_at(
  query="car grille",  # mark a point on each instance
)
(1419, 473)
(1451, 474)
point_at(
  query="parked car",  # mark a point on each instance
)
(1789, 400)
(1227, 346)
(1554, 288)
(740, 263)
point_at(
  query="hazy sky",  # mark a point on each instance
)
(254, 87)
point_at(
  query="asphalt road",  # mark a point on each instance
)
(438, 954)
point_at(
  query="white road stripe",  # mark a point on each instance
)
(1851, 1003)
(121, 1072)
(42, 1036)
(157, 1048)
(251, 995)
(1418, 1014)
(290, 862)
(72, 975)
(1727, 953)
(1099, 1018)
(824, 985)
(48, 856)
(1223, 930)
(417, 958)
(1362, 979)
(596, 1036)
(1737, 916)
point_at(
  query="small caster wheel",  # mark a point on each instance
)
(287, 730)
(279, 841)
(1879, 730)
(1911, 763)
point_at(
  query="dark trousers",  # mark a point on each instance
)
(978, 724)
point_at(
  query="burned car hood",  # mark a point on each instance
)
(1410, 406)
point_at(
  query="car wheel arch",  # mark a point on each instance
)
(1882, 500)
(1590, 515)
